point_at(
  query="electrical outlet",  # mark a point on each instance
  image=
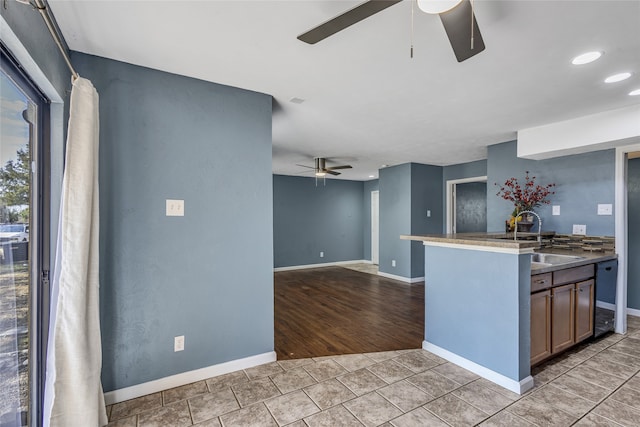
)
(321, 254)
(393, 263)
(175, 207)
(178, 343)
(579, 229)
(555, 210)
(606, 209)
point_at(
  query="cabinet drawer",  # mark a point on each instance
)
(540, 282)
(572, 275)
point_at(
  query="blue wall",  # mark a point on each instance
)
(488, 325)
(310, 219)
(395, 219)
(583, 181)
(464, 170)
(426, 195)
(407, 191)
(207, 275)
(633, 213)
(369, 186)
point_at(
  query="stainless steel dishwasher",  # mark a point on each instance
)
(605, 310)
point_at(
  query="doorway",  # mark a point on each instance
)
(24, 227)
(633, 233)
(375, 227)
(467, 205)
(624, 246)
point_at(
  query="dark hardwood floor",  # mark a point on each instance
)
(333, 310)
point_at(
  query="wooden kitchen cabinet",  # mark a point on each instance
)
(584, 309)
(563, 314)
(540, 326)
(562, 310)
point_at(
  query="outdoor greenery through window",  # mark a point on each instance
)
(17, 129)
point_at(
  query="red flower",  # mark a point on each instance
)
(527, 197)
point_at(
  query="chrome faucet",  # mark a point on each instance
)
(515, 231)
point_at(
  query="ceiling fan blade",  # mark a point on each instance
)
(329, 171)
(457, 24)
(332, 168)
(348, 18)
(305, 166)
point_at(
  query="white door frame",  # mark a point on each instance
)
(451, 200)
(375, 227)
(622, 234)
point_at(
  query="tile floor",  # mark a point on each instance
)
(597, 384)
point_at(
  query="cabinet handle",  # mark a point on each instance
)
(607, 269)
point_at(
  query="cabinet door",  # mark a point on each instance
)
(562, 317)
(584, 309)
(540, 326)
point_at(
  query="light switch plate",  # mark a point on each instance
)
(605, 209)
(555, 210)
(579, 229)
(178, 343)
(175, 207)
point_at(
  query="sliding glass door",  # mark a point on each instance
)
(23, 305)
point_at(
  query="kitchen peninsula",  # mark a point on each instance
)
(478, 302)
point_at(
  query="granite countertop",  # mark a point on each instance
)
(505, 240)
(496, 240)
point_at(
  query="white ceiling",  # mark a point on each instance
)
(367, 103)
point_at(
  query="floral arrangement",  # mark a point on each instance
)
(525, 196)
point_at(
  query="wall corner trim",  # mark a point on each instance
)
(519, 387)
(189, 377)
(633, 312)
(401, 278)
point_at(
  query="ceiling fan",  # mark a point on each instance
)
(457, 18)
(320, 169)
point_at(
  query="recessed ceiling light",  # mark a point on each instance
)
(296, 100)
(617, 77)
(586, 58)
(383, 166)
(372, 176)
(634, 92)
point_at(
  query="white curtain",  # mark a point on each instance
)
(73, 391)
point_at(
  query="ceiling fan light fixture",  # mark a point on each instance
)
(617, 77)
(321, 173)
(435, 7)
(586, 57)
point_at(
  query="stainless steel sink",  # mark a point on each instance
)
(553, 259)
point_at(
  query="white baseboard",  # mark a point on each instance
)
(401, 278)
(519, 387)
(189, 377)
(633, 312)
(605, 305)
(325, 264)
(630, 311)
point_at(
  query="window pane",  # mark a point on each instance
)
(16, 115)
